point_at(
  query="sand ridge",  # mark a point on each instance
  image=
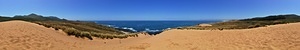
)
(21, 35)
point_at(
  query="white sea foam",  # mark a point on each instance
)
(149, 30)
(129, 29)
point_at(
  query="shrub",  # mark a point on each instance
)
(71, 31)
(55, 28)
(86, 34)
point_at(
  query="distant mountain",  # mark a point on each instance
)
(35, 17)
(288, 17)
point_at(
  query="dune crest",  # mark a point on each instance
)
(21, 35)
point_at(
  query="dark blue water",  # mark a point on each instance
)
(150, 26)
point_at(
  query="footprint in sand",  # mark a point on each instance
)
(142, 46)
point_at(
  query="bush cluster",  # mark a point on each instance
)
(71, 30)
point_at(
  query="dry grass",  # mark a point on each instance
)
(87, 30)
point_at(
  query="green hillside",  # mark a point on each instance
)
(82, 29)
(250, 23)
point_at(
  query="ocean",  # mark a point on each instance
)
(152, 27)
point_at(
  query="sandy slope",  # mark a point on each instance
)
(20, 35)
(278, 37)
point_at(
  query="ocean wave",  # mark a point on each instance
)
(149, 30)
(153, 32)
(132, 30)
(167, 29)
(128, 28)
(108, 25)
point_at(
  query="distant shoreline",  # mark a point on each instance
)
(152, 27)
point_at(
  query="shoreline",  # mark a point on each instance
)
(143, 26)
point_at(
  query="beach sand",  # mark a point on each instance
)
(21, 35)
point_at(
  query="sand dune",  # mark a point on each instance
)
(20, 35)
(279, 37)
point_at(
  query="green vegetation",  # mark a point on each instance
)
(250, 23)
(81, 29)
(4, 18)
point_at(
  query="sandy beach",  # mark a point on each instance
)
(21, 35)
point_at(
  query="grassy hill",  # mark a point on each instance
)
(82, 29)
(250, 23)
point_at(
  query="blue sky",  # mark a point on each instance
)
(150, 9)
